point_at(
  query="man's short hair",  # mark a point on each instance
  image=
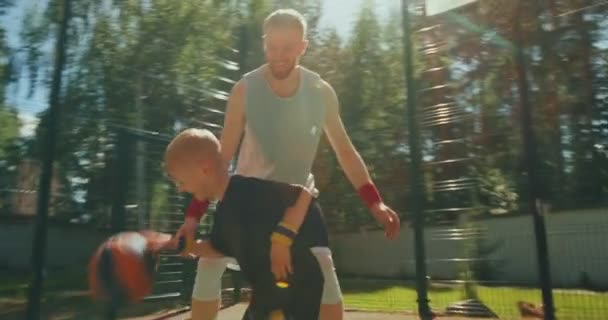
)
(286, 18)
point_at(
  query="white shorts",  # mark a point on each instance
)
(207, 284)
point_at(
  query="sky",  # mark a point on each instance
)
(17, 94)
(341, 14)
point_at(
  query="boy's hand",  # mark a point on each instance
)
(280, 260)
(187, 229)
(388, 218)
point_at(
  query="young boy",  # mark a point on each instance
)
(247, 220)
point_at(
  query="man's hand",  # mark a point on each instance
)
(280, 260)
(280, 254)
(388, 218)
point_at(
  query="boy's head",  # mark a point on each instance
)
(193, 160)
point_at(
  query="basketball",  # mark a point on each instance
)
(122, 269)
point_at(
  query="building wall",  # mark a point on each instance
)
(578, 242)
(25, 195)
(67, 244)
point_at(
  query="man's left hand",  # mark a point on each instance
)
(388, 218)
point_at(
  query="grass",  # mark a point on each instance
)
(65, 298)
(391, 296)
(58, 306)
(66, 279)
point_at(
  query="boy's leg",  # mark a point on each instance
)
(332, 307)
(306, 287)
(299, 301)
(206, 293)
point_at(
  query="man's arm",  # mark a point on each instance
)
(234, 121)
(294, 216)
(355, 169)
(285, 232)
(349, 159)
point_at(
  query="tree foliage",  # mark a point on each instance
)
(9, 121)
(161, 65)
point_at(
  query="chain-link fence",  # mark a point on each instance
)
(507, 225)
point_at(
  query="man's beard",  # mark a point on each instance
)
(281, 73)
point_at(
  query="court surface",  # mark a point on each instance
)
(236, 312)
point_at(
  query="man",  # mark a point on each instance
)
(249, 217)
(279, 111)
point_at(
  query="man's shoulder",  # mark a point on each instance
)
(318, 80)
(309, 72)
(313, 75)
(253, 73)
(240, 86)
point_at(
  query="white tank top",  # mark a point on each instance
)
(281, 134)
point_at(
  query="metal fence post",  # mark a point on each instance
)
(531, 161)
(417, 197)
(44, 189)
(122, 149)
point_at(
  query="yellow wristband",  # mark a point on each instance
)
(281, 239)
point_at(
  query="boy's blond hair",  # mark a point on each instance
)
(192, 143)
(286, 18)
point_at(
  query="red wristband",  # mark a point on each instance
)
(369, 194)
(197, 208)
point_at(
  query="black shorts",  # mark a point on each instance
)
(243, 223)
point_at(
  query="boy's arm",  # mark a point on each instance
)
(351, 162)
(234, 124)
(222, 237)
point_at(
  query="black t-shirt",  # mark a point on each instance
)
(259, 206)
(243, 223)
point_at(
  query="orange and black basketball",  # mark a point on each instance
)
(122, 269)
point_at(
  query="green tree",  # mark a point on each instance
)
(561, 42)
(367, 76)
(9, 122)
(143, 65)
